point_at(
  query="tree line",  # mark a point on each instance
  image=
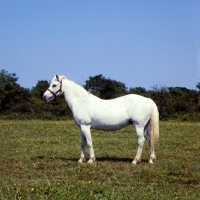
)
(19, 102)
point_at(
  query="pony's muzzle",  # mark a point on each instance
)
(49, 95)
(45, 98)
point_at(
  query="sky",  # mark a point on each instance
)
(141, 43)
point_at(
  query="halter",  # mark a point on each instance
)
(60, 89)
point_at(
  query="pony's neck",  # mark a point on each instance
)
(73, 92)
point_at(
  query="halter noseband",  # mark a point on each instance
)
(60, 89)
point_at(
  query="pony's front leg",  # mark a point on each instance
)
(83, 146)
(85, 131)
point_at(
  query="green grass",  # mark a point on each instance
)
(38, 160)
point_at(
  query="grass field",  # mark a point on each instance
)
(38, 160)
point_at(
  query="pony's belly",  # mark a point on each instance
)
(110, 127)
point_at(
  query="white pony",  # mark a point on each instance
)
(91, 112)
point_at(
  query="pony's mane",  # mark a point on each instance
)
(73, 83)
(77, 85)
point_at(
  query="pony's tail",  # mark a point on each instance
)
(153, 124)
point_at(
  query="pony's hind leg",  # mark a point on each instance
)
(141, 139)
(152, 154)
(151, 146)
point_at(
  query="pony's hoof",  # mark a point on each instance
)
(91, 160)
(134, 162)
(81, 160)
(151, 161)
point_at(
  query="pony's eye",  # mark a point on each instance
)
(53, 85)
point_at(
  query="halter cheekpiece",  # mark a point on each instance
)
(60, 89)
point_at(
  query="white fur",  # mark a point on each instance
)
(91, 112)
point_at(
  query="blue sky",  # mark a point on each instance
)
(138, 42)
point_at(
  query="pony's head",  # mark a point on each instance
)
(55, 88)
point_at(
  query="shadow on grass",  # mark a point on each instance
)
(118, 159)
(98, 159)
(103, 159)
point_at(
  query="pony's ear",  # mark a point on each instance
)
(57, 77)
(54, 76)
